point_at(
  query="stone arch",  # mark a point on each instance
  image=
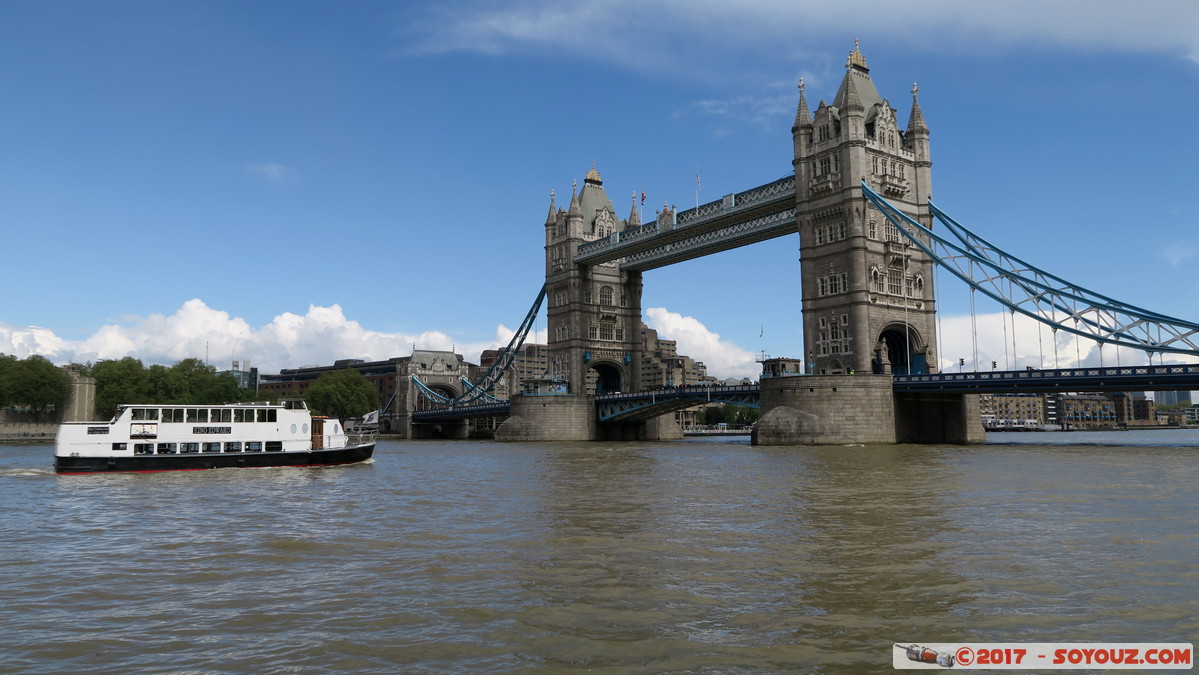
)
(423, 404)
(605, 377)
(899, 350)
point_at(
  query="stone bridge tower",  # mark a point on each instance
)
(594, 311)
(867, 294)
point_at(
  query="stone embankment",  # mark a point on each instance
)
(28, 433)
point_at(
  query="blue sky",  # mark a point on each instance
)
(295, 182)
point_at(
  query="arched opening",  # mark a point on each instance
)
(423, 403)
(835, 367)
(603, 378)
(898, 352)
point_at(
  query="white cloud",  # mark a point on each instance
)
(318, 337)
(1023, 342)
(721, 357)
(275, 173)
(1177, 252)
(695, 36)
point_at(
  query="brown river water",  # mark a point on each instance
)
(694, 556)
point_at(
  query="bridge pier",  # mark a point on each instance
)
(572, 418)
(549, 418)
(938, 418)
(826, 410)
(451, 429)
(842, 409)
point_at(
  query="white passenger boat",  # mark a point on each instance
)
(190, 437)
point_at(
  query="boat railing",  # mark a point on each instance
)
(362, 436)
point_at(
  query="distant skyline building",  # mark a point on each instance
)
(1171, 397)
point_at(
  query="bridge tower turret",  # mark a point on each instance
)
(594, 310)
(867, 294)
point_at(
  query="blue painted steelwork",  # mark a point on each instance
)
(1039, 295)
(757, 214)
(646, 404)
(430, 395)
(481, 389)
(462, 412)
(1118, 378)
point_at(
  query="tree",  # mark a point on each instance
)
(37, 383)
(6, 363)
(342, 393)
(117, 382)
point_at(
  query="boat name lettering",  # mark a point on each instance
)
(212, 430)
(97, 430)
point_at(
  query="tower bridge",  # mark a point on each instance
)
(858, 195)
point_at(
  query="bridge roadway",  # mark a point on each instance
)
(626, 407)
(758, 214)
(1113, 378)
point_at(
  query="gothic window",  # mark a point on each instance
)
(841, 229)
(894, 282)
(824, 132)
(825, 166)
(822, 284)
(920, 282)
(624, 301)
(872, 228)
(875, 163)
(843, 283)
(587, 296)
(907, 287)
(903, 171)
(606, 295)
(820, 235)
(606, 332)
(620, 333)
(593, 332)
(836, 162)
(892, 232)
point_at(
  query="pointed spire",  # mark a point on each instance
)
(852, 100)
(916, 119)
(576, 209)
(549, 220)
(634, 217)
(803, 116)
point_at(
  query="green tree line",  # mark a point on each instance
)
(187, 382)
(39, 384)
(33, 382)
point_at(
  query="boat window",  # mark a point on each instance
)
(253, 446)
(304, 427)
(188, 448)
(143, 448)
(145, 413)
(212, 447)
(243, 415)
(172, 414)
(335, 428)
(166, 448)
(197, 415)
(293, 428)
(120, 446)
(274, 446)
(233, 446)
(268, 415)
(220, 415)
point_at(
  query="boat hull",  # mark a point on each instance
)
(201, 461)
